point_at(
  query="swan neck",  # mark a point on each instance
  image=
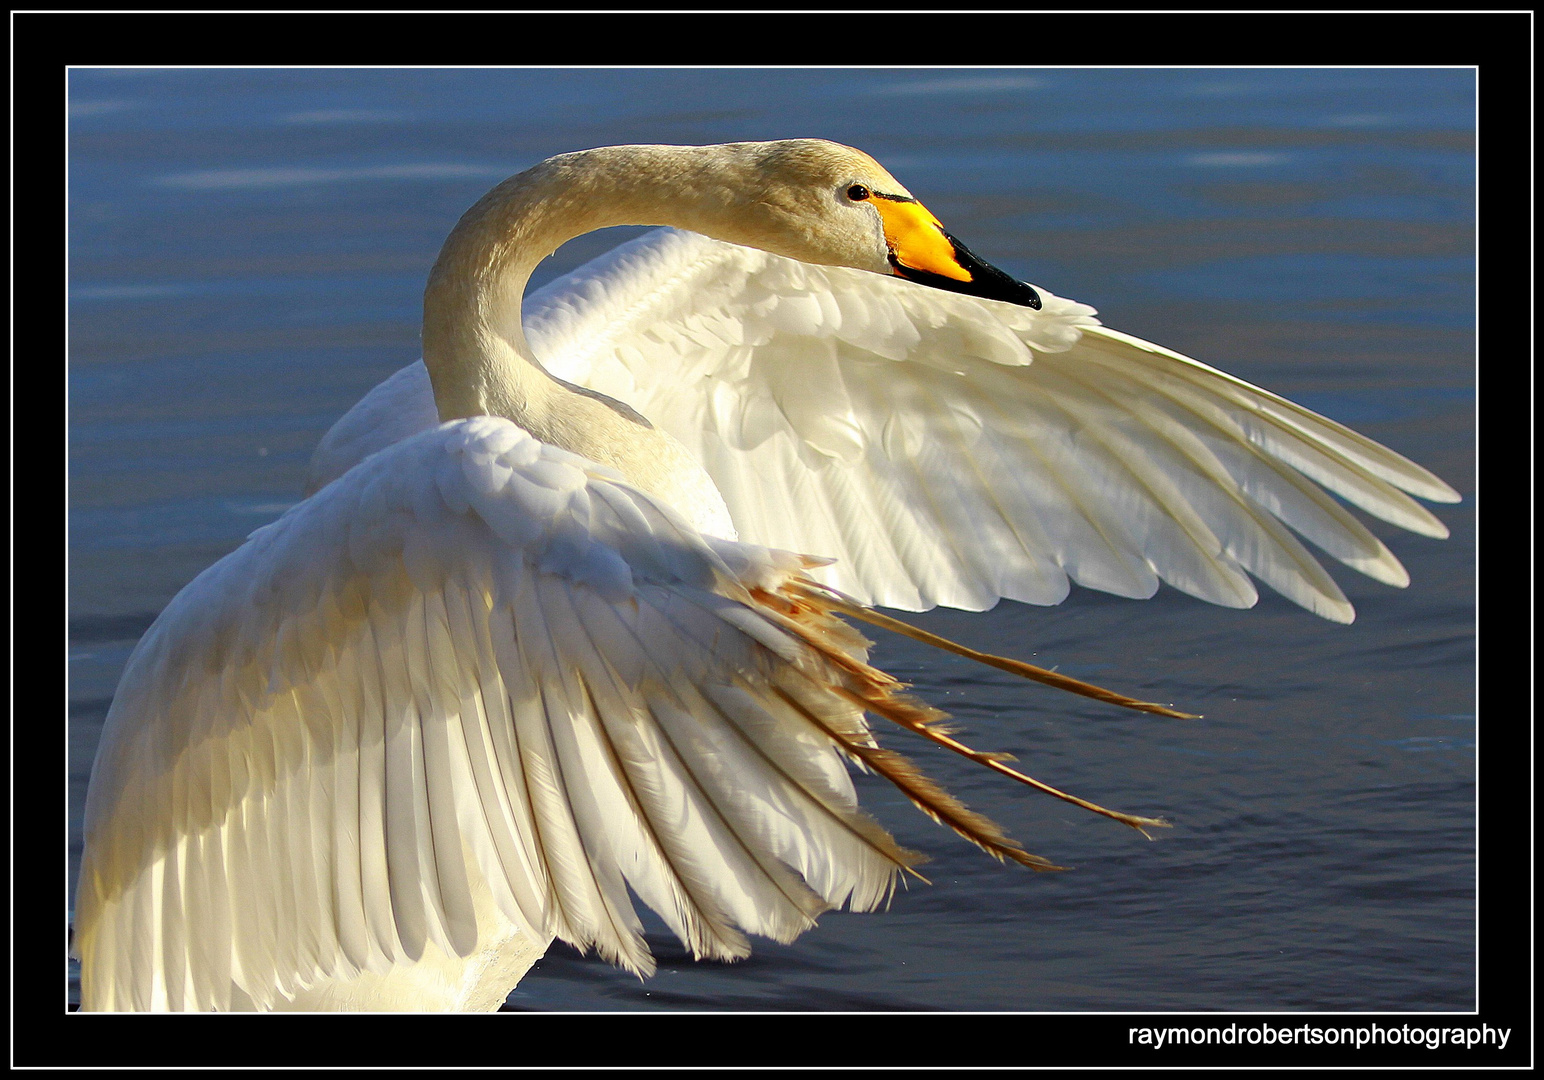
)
(478, 359)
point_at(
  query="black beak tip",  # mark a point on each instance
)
(992, 283)
(1031, 297)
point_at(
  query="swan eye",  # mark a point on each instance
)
(857, 193)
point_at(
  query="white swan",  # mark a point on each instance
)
(510, 660)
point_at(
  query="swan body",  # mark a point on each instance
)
(535, 638)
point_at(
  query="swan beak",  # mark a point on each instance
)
(921, 251)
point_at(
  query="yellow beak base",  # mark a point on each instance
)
(917, 240)
(921, 251)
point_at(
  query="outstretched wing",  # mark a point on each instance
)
(473, 666)
(949, 450)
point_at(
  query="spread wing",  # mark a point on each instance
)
(948, 450)
(474, 666)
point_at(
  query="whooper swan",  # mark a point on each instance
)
(536, 638)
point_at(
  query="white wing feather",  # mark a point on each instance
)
(948, 450)
(475, 676)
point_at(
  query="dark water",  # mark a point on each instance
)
(247, 253)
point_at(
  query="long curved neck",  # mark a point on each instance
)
(474, 348)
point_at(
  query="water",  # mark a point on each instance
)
(247, 254)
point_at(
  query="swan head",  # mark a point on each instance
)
(822, 202)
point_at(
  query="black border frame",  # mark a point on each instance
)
(1498, 44)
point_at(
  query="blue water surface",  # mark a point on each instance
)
(247, 255)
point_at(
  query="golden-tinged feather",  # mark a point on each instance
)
(805, 607)
(834, 601)
(925, 794)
